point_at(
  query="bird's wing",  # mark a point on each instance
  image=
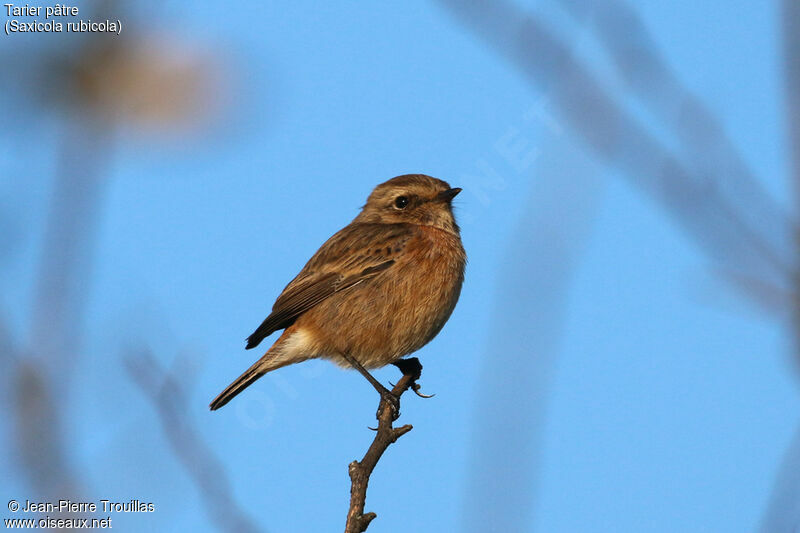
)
(355, 254)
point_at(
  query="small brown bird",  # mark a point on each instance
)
(379, 289)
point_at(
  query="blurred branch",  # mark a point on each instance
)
(70, 231)
(542, 255)
(38, 427)
(703, 139)
(782, 514)
(8, 354)
(36, 415)
(783, 509)
(790, 17)
(695, 200)
(38, 404)
(766, 298)
(708, 190)
(205, 469)
(96, 82)
(360, 471)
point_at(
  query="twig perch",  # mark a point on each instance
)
(386, 434)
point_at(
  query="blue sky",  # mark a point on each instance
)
(669, 402)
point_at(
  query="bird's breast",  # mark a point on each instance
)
(401, 309)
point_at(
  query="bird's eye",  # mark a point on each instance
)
(401, 202)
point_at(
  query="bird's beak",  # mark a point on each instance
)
(449, 194)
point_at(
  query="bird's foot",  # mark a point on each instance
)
(388, 398)
(412, 367)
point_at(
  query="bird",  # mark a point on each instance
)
(379, 289)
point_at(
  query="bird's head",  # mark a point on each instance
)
(412, 199)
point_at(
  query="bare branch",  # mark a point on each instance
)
(168, 398)
(360, 471)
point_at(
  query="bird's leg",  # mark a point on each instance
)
(385, 393)
(412, 367)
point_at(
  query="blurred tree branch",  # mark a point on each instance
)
(69, 238)
(94, 84)
(707, 188)
(56, 324)
(708, 151)
(517, 365)
(701, 203)
(790, 17)
(169, 399)
(782, 514)
(39, 432)
(360, 471)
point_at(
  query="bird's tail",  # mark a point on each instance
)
(241, 383)
(276, 357)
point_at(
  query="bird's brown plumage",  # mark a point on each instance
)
(345, 260)
(379, 289)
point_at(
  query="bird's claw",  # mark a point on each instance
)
(415, 387)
